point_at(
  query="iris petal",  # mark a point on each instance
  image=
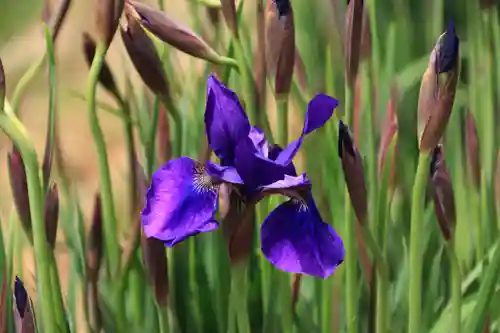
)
(259, 141)
(295, 239)
(225, 120)
(319, 110)
(224, 173)
(181, 202)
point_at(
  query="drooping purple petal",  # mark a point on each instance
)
(225, 120)
(319, 110)
(180, 202)
(296, 240)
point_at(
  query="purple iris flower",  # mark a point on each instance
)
(183, 196)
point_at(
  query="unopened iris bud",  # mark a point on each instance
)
(24, 316)
(389, 132)
(437, 90)
(52, 215)
(472, 150)
(2, 86)
(19, 187)
(155, 261)
(142, 52)
(442, 193)
(108, 16)
(95, 239)
(353, 172)
(55, 19)
(173, 33)
(229, 12)
(354, 26)
(280, 45)
(105, 75)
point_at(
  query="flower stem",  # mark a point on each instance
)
(456, 291)
(16, 131)
(351, 260)
(282, 105)
(238, 296)
(416, 255)
(25, 80)
(109, 215)
(111, 243)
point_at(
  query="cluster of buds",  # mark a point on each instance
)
(437, 94)
(19, 186)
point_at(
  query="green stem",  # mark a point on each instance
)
(23, 83)
(282, 106)
(456, 292)
(163, 319)
(16, 131)
(246, 81)
(238, 297)
(351, 259)
(416, 236)
(108, 209)
(111, 243)
(178, 123)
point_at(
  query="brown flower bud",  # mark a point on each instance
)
(437, 90)
(108, 16)
(229, 12)
(163, 135)
(173, 33)
(19, 186)
(353, 172)
(239, 228)
(51, 215)
(143, 55)
(442, 193)
(389, 131)
(487, 4)
(155, 261)
(105, 76)
(55, 19)
(472, 150)
(354, 26)
(280, 45)
(300, 71)
(2, 86)
(95, 240)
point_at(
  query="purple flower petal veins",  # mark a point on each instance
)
(181, 201)
(225, 120)
(295, 239)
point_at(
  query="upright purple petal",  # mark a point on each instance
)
(259, 141)
(225, 120)
(319, 110)
(295, 239)
(181, 202)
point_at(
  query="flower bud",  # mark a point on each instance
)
(24, 316)
(155, 261)
(19, 186)
(95, 240)
(389, 131)
(108, 16)
(353, 172)
(55, 19)
(105, 76)
(2, 86)
(238, 225)
(437, 90)
(142, 52)
(51, 215)
(280, 45)
(229, 12)
(173, 33)
(472, 150)
(354, 26)
(163, 135)
(442, 193)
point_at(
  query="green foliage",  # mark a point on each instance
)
(460, 279)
